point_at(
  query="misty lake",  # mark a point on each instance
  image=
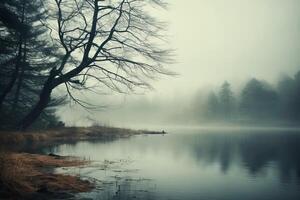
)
(192, 164)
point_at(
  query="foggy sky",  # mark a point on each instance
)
(217, 40)
(234, 40)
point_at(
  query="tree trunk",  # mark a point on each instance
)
(10, 85)
(18, 89)
(20, 81)
(13, 78)
(24, 61)
(42, 103)
(38, 108)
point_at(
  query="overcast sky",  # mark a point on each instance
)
(234, 40)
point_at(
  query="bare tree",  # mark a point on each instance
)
(115, 44)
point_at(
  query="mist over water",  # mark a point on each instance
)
(232, 113)
(194, 164)
(257, 103)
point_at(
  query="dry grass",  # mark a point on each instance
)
(11, 175)
(66, 134)
(23, 174)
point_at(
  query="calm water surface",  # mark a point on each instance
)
(193, 164)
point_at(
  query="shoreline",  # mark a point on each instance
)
(26, 175)
(17, 141)
(32, 176)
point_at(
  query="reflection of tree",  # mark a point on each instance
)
(257, 152)
(254, 150)
(211, 148)
(225, 157)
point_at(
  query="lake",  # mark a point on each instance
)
(192, 164)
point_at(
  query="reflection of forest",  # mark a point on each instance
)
(254, 150)
(251, 150)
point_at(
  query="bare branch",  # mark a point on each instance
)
(115, 43)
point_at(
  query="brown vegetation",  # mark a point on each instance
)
(30, 176)
(19, 140)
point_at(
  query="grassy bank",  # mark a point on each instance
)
(18, 140)
(30, 176)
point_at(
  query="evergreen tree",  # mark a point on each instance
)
(13, 30)
(286, 90)
(26, 56)
(293, 107)
(258, 101)
(212, 112)
(226, 101)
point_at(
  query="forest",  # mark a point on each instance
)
(257, 102)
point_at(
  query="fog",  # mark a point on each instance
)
(214, 41)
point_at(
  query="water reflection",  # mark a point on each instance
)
(203, 164)
(255, 150)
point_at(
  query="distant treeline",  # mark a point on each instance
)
(257, 102)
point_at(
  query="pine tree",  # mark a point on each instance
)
(258, 101)
(212, 107)
(26, 56)
(226, 98)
